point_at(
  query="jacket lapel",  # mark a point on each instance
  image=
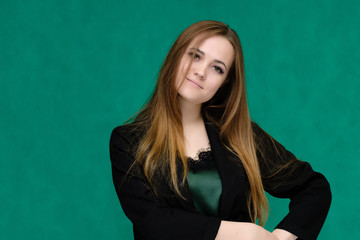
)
(232, 200)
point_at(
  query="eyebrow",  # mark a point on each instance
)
(218, 61)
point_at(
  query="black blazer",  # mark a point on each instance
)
(170, 218)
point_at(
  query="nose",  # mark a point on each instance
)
(200, 71)
(200, 75)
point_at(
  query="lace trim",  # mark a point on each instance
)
(201, 153)
(205, 162)
(202, 160)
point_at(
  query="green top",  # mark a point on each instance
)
(205, 184)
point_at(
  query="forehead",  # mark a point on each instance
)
(215, 48)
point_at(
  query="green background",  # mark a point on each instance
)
(70, 71)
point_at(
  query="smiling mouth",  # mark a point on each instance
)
(194, 83)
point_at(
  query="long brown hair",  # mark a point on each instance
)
(162, 144)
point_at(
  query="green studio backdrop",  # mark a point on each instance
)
(72, 70)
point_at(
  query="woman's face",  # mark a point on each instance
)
(210, 64)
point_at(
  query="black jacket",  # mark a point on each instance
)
(172, 218)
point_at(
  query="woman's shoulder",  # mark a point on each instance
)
(262, 137)
(259, 134)
(266, 144)
(126, 135)
(270, 152)
(128, 129)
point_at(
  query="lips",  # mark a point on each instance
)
(193, 82)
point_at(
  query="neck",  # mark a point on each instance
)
(191, 113)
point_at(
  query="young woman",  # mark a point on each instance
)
(192, 165)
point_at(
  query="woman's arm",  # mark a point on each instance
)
(246, 231)
(250, 231)
(243, 231)
(283, 234)
(285, 176)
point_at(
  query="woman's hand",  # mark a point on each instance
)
(243, 231)
(283, 234)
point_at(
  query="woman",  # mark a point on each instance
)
(192, 165)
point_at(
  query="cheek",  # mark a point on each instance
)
(217, 84)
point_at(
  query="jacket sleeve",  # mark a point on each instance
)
(285, 176)
(152, 218)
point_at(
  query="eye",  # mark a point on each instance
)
(219, 70)
(195, 56)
